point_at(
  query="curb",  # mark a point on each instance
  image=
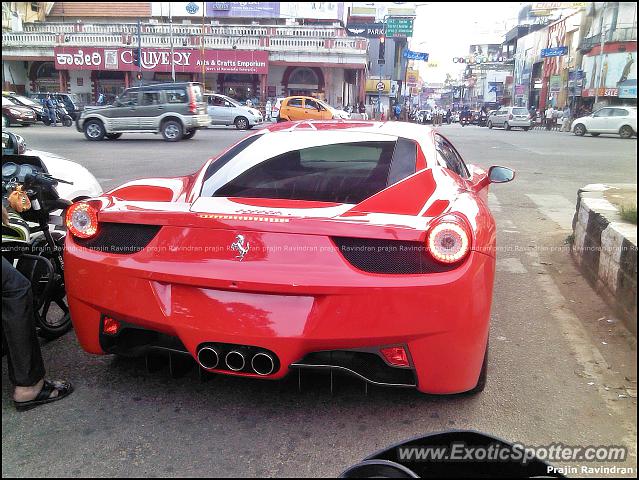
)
(605, 248)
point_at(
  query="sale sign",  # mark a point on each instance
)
(160, 60)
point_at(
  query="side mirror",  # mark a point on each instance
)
(498, 174)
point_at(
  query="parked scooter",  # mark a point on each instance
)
(29, 243)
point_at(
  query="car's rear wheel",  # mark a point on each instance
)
(189, 134)
(526, 129)
(490, 125)
(580, 130)
(241, 123)
(626, 131)
(172, 131)
(506, 126)
(113, 136)
(94, 130)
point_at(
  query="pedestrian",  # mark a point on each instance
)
(398, 111)
(566, 119)
(101, 99)
(268, 110)
(449, 114)
(549, 117)
(50, 104)
(362, 110)
(24, 358)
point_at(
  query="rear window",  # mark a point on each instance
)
(197, 93)
(344, 173)
(295, 102)
(520, 111)
(176, 95)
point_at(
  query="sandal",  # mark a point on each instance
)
(63, 388)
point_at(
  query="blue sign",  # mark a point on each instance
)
(554, 52)
(409, 54)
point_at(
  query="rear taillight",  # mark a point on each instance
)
(192, 103)
(448, 241)
(396, 356)
(82, 220)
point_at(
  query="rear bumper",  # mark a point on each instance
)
(198, 121)
(441, 318)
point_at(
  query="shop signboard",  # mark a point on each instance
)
(159, 60)
(555, 84)
(367, 30)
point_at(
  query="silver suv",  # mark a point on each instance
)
(176, 110)
(509, 117)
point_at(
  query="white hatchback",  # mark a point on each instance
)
(620, 121)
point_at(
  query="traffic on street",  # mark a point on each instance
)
(236, 261)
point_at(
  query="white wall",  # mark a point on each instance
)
(86, 86)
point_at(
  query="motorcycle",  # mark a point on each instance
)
(31, 247)
(61, 115)
(453, 454)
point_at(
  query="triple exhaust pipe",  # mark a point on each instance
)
(261, 363)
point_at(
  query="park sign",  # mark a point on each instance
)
(554, 52)
(366, 30)
(399, 27)
(410, 55)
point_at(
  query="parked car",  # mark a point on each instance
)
(27, 102)
(176, 110)
(307, 108)
(16, 114)
(509, 117)
(71, 102)
(620, 121)
(82, 182)
(224, 110)
(400, 220)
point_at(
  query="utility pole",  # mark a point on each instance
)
(171, 39)
(202, 51)
(602, 43)
(140, 52)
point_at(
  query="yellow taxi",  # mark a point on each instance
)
(306, 108)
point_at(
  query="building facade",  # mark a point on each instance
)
(247, 50)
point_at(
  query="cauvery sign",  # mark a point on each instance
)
(159, 60)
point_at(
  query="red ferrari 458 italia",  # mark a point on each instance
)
(366, 247)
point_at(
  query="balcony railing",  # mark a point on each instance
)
(189, 29)
(272, 38)
(618, 35)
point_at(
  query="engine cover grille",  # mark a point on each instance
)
(389, 256)
(120, 238)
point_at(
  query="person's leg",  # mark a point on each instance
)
(26, 368)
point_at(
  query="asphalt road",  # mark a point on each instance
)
(562, 368)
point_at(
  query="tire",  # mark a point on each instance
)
(53, 316)
(526, 129)
(483, 375)
(46, 121)
(580, 130)
(67, 121)
(94, 130)
(626, 131)
(172, 131)
(506, 126)
(241, 123)
(490, 125)
(189, 134)
(113, 136)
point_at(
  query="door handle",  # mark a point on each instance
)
(160, 107)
